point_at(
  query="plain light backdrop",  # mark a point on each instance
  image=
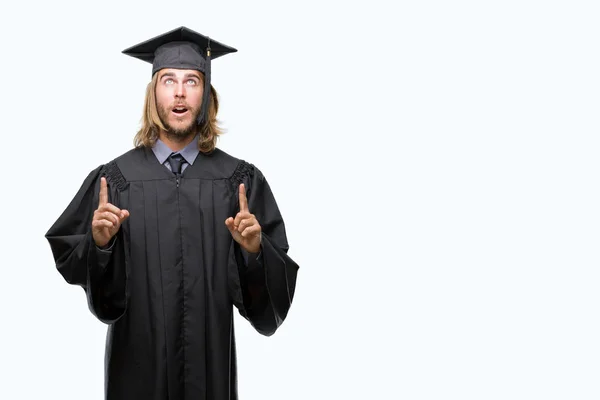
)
(436, 164)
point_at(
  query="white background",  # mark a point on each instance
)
(436, 164)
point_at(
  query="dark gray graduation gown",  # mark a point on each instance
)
(167, 288)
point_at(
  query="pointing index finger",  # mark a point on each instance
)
(243, 199)
(103, 192)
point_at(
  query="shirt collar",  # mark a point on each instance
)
(189, 152)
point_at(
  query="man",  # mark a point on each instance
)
(168, 237)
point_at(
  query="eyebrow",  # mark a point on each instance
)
(172, 75)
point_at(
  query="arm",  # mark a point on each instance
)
(100, 272)
(264, 285)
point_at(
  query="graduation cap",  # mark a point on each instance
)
(182, 48)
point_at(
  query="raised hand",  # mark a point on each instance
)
(245, 228)
(107, 218)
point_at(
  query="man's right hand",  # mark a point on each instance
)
(107, 218)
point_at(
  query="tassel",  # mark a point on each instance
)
(203, 117)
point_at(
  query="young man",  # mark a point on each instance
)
(169, 236)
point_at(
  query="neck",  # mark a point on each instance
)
(176, 143)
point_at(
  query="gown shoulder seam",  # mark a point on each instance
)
(114, 175)
(242, 170)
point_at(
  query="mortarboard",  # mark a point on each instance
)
(182, 48)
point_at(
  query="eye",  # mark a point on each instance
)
(191, 81)
(168, 81)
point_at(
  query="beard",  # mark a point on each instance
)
(181, 131)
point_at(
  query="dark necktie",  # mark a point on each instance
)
(176, 161)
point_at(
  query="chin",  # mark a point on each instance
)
(179, 129)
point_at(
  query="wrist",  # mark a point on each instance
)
(256, 248)
(105, 245)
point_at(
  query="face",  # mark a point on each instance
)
(178, 99)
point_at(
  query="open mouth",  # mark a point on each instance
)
(180, 110)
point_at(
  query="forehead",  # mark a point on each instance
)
(178, 72)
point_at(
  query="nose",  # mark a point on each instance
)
(180, 90)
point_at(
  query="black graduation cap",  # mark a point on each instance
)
(182, 48)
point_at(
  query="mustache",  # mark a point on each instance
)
(185, 105)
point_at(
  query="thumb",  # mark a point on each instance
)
(229, 223)
(124, 215)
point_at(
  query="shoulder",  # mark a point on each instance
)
(112, 169)
(226, 165)
(219, 157)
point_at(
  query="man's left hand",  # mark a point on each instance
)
(245, 228)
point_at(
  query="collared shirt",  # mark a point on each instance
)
(189, 153)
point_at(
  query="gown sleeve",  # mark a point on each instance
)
(101, 273)
(263, 287)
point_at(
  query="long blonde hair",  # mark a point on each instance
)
(151, 123)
